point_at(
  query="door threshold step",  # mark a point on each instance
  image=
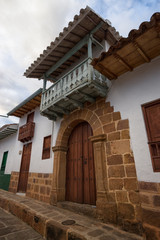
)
(83, 209)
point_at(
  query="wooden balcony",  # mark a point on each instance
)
(26, 132)
(71, 91)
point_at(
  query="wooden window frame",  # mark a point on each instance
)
(44, 155)
(151, 143)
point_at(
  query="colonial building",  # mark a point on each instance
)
(134, 63)
(31, 163)
(104, 112)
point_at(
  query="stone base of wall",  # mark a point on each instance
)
(150, 199)
(39, 185)
(14, 182)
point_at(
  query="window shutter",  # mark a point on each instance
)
(46, 147)
(151, 113)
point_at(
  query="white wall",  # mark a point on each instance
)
(11, 145)
(127, 94)
(43, 128)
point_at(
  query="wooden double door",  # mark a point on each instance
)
(80, 171)
(24, 170)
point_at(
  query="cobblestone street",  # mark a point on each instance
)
(11, 228)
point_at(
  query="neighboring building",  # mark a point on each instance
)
(32, 162)
(8, 135)
(94, 116)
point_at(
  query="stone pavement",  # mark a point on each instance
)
(55, 223)
(11, 228)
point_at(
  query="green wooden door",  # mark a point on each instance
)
(4, 161)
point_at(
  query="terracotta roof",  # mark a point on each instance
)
(7, 130)
(27, 105)
(67, 39)
(140, 46)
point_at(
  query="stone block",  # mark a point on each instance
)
(121, 196)
(151, 233)
(130, 184)
(120, 147)
(39, 223)
(128, 158)
(114, 136)
(109, 127)
(130, 170)
(107, 118)
(107, 212)
(125, 134)
(111, 197)
(156, 200)
(116, 171)
(148, 186)
(134, 197)
(116, 184)
(151, 216)
(125, 211)
(75, 236)
(108, 110)
(116, 116)
(55, 230)
(114, 160)
(123, 124)
(145, 198)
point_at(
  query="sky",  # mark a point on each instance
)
(27, 27)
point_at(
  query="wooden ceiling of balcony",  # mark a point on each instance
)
(141, 46)
(71, 35)
(27, 105)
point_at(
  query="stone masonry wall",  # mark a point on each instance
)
(119, 181)
(150, 199)
(39, 185)
(14, 182)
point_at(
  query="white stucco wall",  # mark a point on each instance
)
(43, 128)
(11, 145)
(127, 94)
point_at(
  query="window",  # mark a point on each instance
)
(4, 161)
(151, 112)
(46, 147)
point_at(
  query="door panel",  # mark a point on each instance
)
(80, 172)
(24, 170)
(3, 166)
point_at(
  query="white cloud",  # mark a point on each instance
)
(28, 27)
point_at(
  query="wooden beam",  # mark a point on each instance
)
(78, 46)
(126, 65)
(75, 34)
(86, 96)
(68, 55)
(83, 28)
(141, 52)
(60, 109)
(75, 102)
(106, 70)
(102, 91)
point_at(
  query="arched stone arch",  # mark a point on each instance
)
(60, 150)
